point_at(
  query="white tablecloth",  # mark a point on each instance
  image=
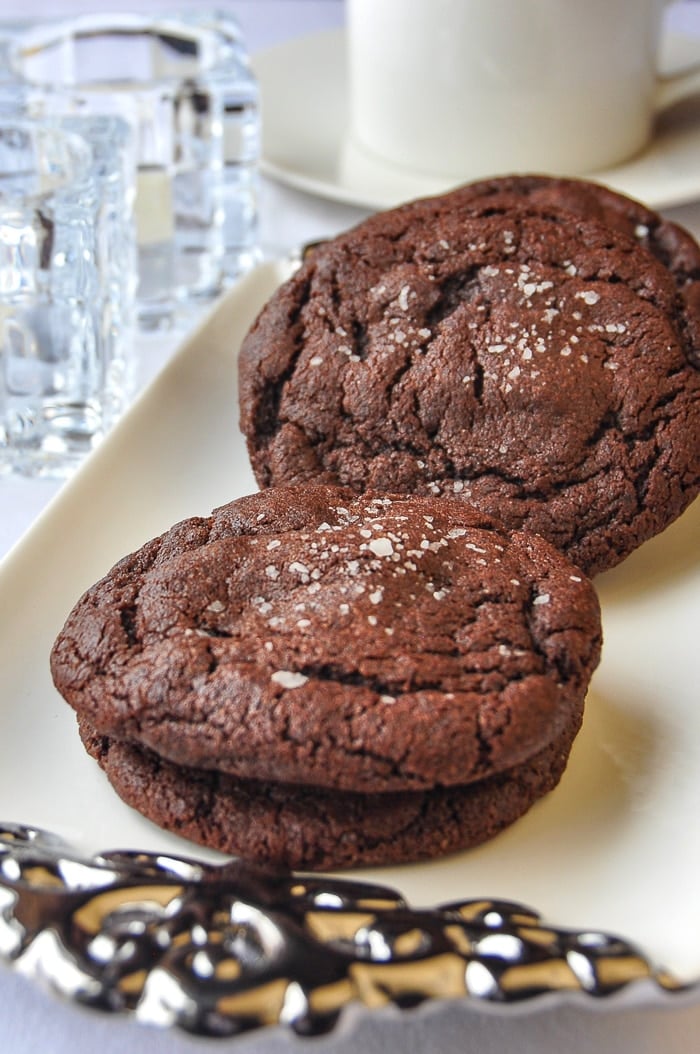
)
(32, 1022)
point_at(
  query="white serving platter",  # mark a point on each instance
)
(615, 848)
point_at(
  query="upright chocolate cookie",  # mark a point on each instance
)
(315, 829)
(496, 347)
(305, 635)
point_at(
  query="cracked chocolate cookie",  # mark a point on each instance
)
(316, 829)
(673, 246)
(306, 635)
(498, 346)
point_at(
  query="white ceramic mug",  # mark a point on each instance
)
(466, 88)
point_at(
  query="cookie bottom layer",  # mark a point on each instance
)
(307, 828)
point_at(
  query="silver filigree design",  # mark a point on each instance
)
(221, 949)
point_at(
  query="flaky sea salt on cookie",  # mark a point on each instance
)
(305, 635)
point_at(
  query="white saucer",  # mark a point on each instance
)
(306, 144)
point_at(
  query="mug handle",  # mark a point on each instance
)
(674, 87)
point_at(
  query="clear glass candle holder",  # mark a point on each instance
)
(67, 248)
(184, 85)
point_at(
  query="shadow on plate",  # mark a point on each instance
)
(611, 768)
(673, 553)
(574, 831)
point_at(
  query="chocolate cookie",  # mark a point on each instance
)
(673, 246)
(494, 346)
(670, 244)
(313, 829)
(306, 635)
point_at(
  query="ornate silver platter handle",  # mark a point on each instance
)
(218, 950)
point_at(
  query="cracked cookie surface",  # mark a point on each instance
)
(307, 635)
(672, 246)
(496, 347)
